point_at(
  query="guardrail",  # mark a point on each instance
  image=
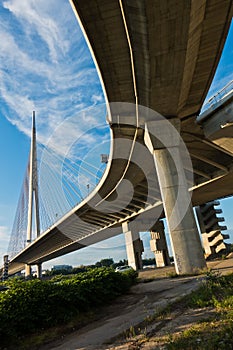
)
(216, 98)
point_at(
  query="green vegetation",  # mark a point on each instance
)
(215, 291)
(72, 271)
(217, 332)
(212, 334)
(30, 306)
(108, 262)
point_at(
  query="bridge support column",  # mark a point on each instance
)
(5, 267)
(39, 270)
(212, 236)
(28, 270)
(158, 244)
(134, 246)
(185, 239)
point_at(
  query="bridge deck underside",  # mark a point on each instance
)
(90, 222)
(176, 46)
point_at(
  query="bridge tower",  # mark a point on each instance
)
(33, 200)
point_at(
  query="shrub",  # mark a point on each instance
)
(28, 306)
(213, 292)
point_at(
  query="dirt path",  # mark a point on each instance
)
(144, 300)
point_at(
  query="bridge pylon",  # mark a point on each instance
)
(33, 200)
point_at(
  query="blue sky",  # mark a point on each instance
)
(45, 66)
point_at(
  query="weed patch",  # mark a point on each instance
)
(30, 306)
(217, 333)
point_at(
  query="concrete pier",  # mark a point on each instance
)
(134, 246)
(39, 270)
(185, 239)
(212, 236)
(158, 244)
(28, 271)
(5, 267)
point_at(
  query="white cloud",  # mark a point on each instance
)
(97, 99)
(45, 66)
(35, 15)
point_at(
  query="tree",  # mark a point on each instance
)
(105, 262)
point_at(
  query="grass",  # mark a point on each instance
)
(217, 333)
(213, 333)
(46, 336)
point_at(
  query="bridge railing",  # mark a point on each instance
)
(216, 98)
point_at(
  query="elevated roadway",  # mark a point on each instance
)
(217, 120)
(159, 54)
(91, 221)
(162, 55)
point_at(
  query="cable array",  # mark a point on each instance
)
(63, 182)
(19, 229)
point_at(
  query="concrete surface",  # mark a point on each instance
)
(144, 299)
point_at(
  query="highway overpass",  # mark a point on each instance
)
(161, 55)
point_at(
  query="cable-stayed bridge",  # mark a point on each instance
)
(165, 64)
(63, 181)
(72, 218)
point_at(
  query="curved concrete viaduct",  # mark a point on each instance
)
(162, 55)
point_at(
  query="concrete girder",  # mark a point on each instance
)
(165, 55)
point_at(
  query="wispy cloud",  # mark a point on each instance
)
(40, 18)
(53, 73)
(45, 66)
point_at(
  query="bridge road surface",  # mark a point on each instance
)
(129, 310)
